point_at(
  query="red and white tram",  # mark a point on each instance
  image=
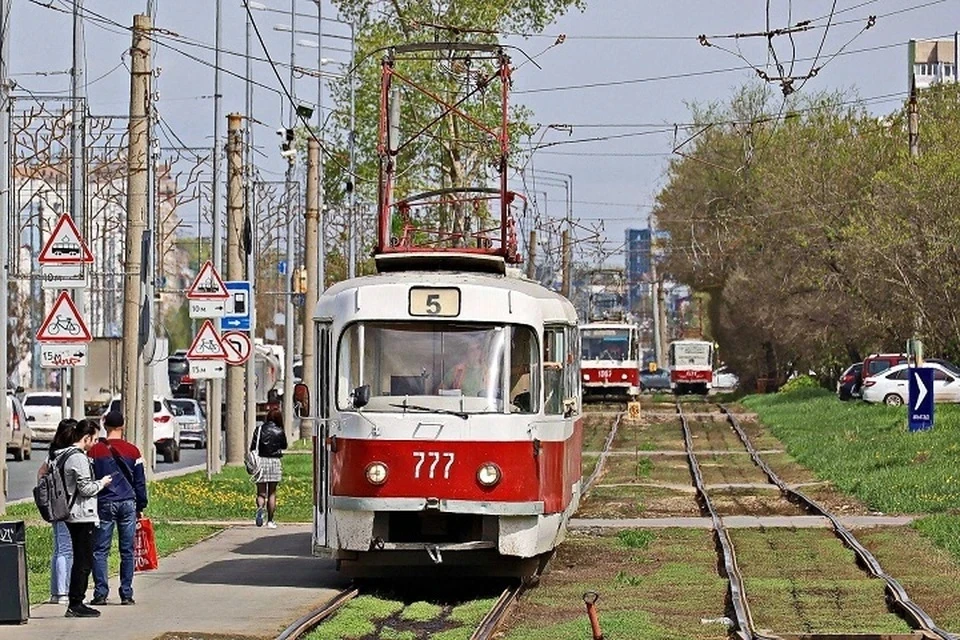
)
(610, 359)
(691, 366)
(448, 396)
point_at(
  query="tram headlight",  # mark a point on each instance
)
(376, 473)
(488, 474)
(623, 376)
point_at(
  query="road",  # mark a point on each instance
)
(23, 475)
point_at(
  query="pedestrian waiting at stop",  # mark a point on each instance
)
(62, 559)
(82, 522)
(120, 505)
(269, 441)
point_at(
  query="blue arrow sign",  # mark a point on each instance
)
(920, 406)
(239, 305)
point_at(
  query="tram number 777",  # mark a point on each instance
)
(422, 457)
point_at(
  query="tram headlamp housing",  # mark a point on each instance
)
(488, 474)
(376, 473)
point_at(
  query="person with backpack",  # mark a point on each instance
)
(269, 441)
(82, 489)
(62, 559)
(120, 504)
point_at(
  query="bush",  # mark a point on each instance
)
(799, 383)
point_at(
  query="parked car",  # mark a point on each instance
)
(724, 379)
(43, 409)
(892, 386)
(877, 362)
(193, 422)
(850, 383)
(166, 429)
(181, 384)
(19, 434)
(654, 380)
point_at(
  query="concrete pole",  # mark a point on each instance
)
(352, 213)
(312, 253)
(236, 385)
(289, 311)
(4, 225)
(78, 378)
(137, 172)
(565, 263)
(532, 255)
(913, 123)
(215, 387)
(322, 262)
(251, 418)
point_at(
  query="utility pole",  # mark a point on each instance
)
(215, 388)
(352, 213)
(913, 122)
(321, 125)
(4, 225)
(532, 255)
(77, 117)
(236, 440)
(289, 310)
(565, 263)
(312, 252)
(137, 174)
(250, 219)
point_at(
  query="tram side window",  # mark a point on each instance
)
(524, 371)
(554, 357)
(571, 390)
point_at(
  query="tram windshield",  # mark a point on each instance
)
(691, 354)
(440, 367)
(605, 344)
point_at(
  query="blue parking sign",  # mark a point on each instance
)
(920, 406)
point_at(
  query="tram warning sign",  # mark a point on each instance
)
(64, 324)
(65, 246)
(207, 345)
(208, 285)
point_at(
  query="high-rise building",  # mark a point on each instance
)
(931, 62)
(637, 265)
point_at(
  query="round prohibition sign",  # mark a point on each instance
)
(238, 347)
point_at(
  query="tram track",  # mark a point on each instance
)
(897, 598)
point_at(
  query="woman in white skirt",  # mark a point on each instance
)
(270, 440)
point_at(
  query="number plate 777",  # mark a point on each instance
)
(431, 464)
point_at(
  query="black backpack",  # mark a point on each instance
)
(50, 494)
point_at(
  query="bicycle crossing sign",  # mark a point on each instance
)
(206, 345)
(208, 285)
(64, 324)
(65, 246)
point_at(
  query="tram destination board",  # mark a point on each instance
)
(435, 302)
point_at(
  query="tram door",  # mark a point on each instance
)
(321, 455)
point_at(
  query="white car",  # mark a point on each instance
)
(19, 434)
(725, 379)
(166, 429)
(892, 385)
(193, 422)
(43, 412)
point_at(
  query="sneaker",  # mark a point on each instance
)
(64, 600)
(259, 517)
(271, 525)
(99, 601)
(81, 611)
(127, 601)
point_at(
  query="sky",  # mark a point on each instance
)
(644, 53)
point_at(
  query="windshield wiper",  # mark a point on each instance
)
(417, 407)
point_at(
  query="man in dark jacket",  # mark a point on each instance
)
(119, 504)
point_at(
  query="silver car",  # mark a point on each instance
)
(193, 422)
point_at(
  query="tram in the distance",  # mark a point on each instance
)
(610, 360)
(691, 366)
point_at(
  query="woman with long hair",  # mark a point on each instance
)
(270, 440)
(62, 559)
(83, 519)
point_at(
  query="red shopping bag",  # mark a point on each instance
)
(145, 547)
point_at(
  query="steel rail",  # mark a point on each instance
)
(491, 622)
(917, 616)
(304, 625)
(604, 454)
(738, 598)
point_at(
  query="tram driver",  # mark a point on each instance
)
(469, 374)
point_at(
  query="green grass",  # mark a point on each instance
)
(356, 619)
(170, 538)
(420, 611)
(616, 625)
(636, 538)
(943, 530)
(866, 451)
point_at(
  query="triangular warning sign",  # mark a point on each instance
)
(208, 285)
(65, 246)
(206, 345)
(63, 323)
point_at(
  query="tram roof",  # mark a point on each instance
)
(554, 306)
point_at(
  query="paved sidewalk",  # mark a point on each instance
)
(245, 582)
